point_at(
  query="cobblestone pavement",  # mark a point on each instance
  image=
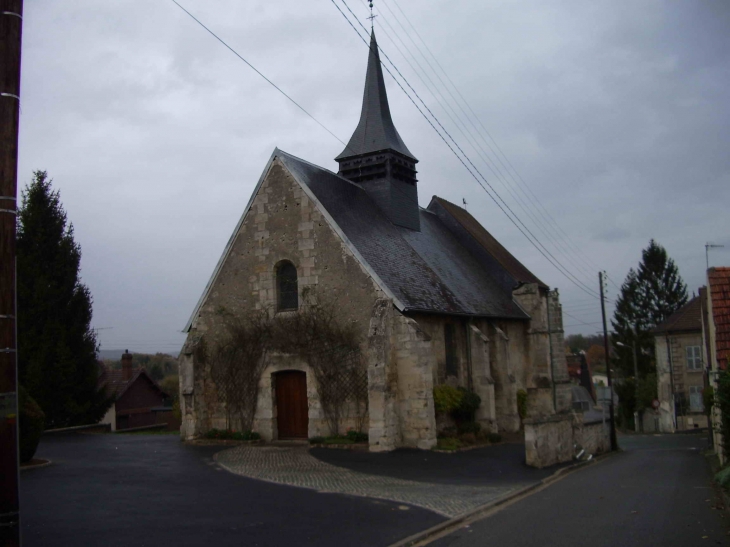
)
(294, 466)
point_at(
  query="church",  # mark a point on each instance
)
(434, 299)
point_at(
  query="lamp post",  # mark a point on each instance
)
(636, 378)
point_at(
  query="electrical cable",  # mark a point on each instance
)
(536, 242)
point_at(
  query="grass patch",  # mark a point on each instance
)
(148, 432)
(230, 435)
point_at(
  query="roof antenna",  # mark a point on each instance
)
(463, 200)
(371, 15)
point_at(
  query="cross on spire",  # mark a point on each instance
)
(371, 15)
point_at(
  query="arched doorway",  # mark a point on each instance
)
(292, 410)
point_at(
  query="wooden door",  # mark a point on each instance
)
(291, 404)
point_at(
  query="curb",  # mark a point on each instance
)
(105, 427)
(425, 534)
(45, 463)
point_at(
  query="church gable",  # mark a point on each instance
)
(285, 236)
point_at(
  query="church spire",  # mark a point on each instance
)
(375, 131)
(376, 157)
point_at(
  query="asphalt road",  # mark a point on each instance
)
(657, 492)
(498, 465)
(134, 490)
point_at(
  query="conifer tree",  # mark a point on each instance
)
(57, 347)
(647, 298)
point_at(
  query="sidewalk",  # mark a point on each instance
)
(448, 484)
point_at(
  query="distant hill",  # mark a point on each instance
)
(116, 354)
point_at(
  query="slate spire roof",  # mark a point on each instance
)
(375, 131)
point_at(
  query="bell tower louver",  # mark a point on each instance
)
(376, 157)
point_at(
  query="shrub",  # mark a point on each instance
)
(494, 437)
(722, 400)
(522, 403)
(31, 422)
(470, 427)
(448, 444)
(338, 439)
(230, 435)
(723, 478)
(448, 432)
(357, 436)
(468, 438)
(446, 398)
(467, 407)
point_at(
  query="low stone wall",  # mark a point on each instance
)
(553, 439)
(548, 440)
(593, 437)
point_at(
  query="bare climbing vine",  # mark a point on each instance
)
(316, 333)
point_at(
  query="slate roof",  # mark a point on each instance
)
(375, 131)
(719, 287)
(427, 270)
(117, 385)
(688, 318)
(496, 257)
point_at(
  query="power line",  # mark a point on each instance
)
(533, 198)
(461, 126)
(533, 239)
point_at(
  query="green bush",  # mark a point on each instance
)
(230, 435)
(722, 400)
(468, 406)
(338, 439)
(32, 422)
(469, 427)
(522, 403)
(723, 478)
(446, 398)
(316, 440)
(357, 436)
(448, 443)
(468, 438)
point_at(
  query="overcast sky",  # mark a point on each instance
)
(614, 115)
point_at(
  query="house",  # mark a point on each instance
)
(681, 369)
(139, 400)
(716, 330)
(434, 297)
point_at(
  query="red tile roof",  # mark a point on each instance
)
(719, 286)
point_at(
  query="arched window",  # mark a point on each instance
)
(287, 292)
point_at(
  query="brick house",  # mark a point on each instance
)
(681, 369)
(139, 399)
(716, 330)
(435, 297)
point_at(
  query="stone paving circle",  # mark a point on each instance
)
(294, 466)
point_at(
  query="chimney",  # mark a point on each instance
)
(126, 365)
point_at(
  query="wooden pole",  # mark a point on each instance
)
(11, 24)
(612, 424)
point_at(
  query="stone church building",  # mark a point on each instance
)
(436, 299)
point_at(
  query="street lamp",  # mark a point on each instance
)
(636, 380)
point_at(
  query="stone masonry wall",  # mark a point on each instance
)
(282, 224)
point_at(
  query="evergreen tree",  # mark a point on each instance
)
(662, 290)
(57, 347)
(647, 298)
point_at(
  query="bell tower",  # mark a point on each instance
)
(376, 157)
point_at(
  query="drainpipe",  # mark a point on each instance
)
(469, 377)
(550, 346)
(671, 383)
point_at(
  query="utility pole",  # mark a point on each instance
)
(11, 23)
(612, 422)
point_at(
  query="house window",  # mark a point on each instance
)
(694, 358)
(695, 399)
(452, 368)
(287, 291)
